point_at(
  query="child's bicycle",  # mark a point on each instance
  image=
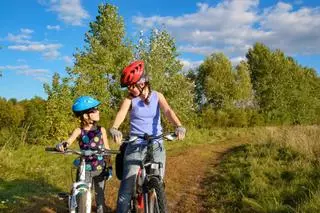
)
(149, 195)
(80, 197)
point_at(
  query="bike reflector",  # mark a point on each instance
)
(154, 166)
(140, 201)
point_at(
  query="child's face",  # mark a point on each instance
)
(94, 114)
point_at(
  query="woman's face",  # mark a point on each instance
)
(134, 90)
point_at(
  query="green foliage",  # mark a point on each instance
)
(59, 119)
(160, 56)
(286, 92)
(11, 113)
(96, 72)
(243, 87)
(35, 126)
(97, 68)
(216, 82)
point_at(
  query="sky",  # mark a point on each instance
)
(39, 37)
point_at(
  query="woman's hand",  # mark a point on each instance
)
(180, 132)
(116, 135)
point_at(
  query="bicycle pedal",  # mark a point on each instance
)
(63, 195)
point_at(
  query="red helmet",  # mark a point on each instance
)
(132, 73)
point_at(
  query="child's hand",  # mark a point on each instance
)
(61, 146)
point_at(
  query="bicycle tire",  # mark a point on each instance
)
(82, 203)
(158, 199)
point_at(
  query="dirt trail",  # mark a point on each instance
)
(185, 173)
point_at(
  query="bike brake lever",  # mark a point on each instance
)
(170, 137)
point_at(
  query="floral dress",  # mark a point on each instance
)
(92, 140)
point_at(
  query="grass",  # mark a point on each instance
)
(279, 173)
(29, 172)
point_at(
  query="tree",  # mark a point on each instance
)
(35, 125)
(215, 81)
(11, 114)
(59, 119)
(285, 91)
(243, 88)
(97, 68)
(164, 68)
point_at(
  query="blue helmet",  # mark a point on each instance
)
(84, 103)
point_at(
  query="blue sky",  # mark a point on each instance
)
(39, 37)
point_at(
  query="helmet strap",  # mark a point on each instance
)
(140, 89)
(146, 85)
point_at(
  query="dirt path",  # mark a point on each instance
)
(187, 171)
(185, 175)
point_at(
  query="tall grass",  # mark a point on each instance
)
(278, 173)
(29, 171)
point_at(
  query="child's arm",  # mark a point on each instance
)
(70, 140)
(104, 138)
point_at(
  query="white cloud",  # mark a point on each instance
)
(69, 11)
(188, 65)
(236, 60)
(40, 74)
(26, 31)
(23, 37)
(233, 26)
(55, 27)
(24, 43)
(35, 47)
(67, 60)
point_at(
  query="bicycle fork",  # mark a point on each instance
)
(146, 198)
(79, 187)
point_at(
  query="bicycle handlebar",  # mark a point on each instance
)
(169, 136)
(82, 152)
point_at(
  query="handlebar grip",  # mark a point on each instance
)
(50, 149)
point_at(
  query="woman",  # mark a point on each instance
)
(144, 105)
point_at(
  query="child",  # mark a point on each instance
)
(94, 137)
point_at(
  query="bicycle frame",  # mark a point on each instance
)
(144, 198)
(81, 186)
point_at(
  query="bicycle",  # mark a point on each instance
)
(149, 195)
(80, 197)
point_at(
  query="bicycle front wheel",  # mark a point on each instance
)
(84, 202)
(157, 198)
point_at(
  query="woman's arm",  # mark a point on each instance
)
(168, 112)
(104, 138)
(121, 115)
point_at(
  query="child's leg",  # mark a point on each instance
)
(99, 183)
